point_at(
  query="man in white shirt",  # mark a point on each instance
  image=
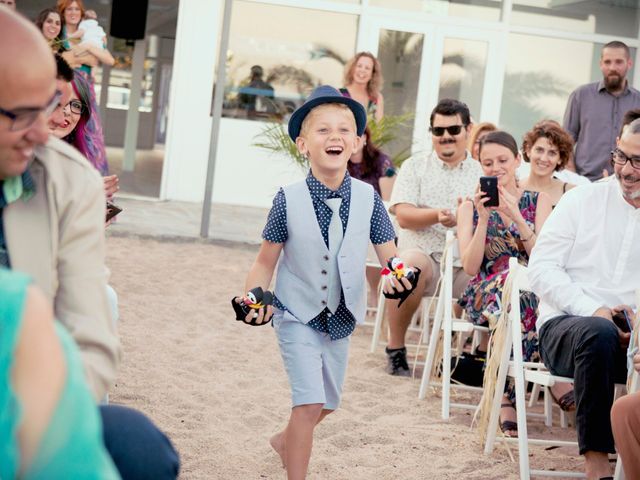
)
(585, 268)
(424, 201)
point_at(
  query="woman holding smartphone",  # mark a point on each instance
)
(489, 236)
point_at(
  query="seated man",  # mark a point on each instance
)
(52, 212)
(424, 200)
(585, 267)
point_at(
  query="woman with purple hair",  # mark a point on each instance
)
(79, 130)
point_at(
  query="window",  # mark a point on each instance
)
(120, 79)
(540, 75)
(487, 10)
(606, 17)
(463, 72)
(277, 55)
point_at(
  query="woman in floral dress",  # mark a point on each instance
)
(489, 236)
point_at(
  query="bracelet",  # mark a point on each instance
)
(530, 237)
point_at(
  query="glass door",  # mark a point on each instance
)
(423, 63)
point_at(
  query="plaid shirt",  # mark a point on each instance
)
(12, 189)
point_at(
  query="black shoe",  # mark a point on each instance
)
(397, 362)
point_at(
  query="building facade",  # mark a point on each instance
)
(513, 62)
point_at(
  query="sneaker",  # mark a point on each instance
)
(397, 362)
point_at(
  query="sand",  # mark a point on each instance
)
(218, 389)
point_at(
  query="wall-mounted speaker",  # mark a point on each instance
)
(129, 19)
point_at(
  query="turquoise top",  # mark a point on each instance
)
(67, 46)
(72, 445)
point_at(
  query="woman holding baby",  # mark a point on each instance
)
(85, 51)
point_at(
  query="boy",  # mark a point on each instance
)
(320, 290)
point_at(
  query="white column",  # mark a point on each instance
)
(189, 125)
(133, 114)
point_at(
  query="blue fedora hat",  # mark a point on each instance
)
(326, 94)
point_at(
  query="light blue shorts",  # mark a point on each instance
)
(315, 365)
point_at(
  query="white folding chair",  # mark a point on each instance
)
(419, 321)
(522, 372)
(444, 321)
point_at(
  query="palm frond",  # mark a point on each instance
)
(275, 139)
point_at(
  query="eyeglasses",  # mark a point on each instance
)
(76, 106)
(23, 118)
(621, 158)
(452, 129)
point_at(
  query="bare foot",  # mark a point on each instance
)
(277, 443)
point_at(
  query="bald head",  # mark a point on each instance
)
(632, 128)
(27, 91)
(24, 48)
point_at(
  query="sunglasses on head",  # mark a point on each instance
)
(452, 129)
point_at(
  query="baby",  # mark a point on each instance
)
(89, 30)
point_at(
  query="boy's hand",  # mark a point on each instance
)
(398, 281)
(393, 285)
(254, 308)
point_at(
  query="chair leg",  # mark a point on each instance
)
(377, 327)
(446, 362)
(619, 472)
(535, 394)
(431, 351)
(548, 408)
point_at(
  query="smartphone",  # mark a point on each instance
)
(489, 185)
(622, 321)
(112, 211)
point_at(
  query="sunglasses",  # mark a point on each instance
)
(452, 130)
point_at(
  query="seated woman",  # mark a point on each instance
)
(478, 132)
(78, 130)
(548, 148)
(372, 166)
(488, 237)
(49, 423)
(363, 82)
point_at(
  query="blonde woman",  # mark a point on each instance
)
(363, 82)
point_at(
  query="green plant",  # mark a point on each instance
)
(275, 139)
(386, 130)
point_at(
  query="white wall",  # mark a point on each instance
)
(244, 175)
(189, 126)
(247, 175)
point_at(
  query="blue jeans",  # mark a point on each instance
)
(138, 448)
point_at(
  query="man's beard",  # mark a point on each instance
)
(613, 81)
(631, 196)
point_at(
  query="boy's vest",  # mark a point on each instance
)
(303, 270)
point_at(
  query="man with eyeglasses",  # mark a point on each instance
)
(424, 200)
(585, 267)
(52, 213)
(594, 112)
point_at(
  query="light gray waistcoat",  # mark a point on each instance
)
(303, 270)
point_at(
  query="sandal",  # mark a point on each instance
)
(508, 425)
(566, 402)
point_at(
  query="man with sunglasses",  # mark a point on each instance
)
(424, 201)
(585, 268)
